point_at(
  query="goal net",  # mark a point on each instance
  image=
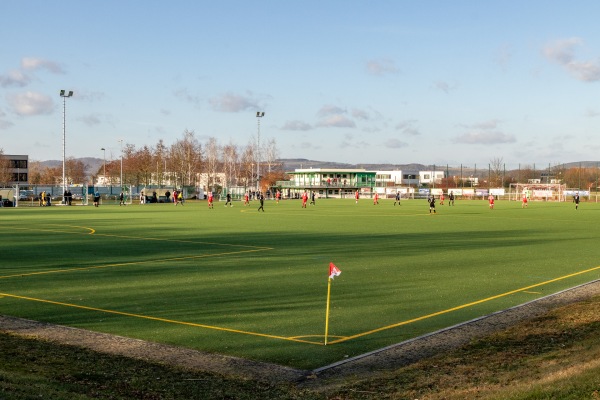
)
(537, 191)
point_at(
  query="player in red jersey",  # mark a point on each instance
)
(210, 200)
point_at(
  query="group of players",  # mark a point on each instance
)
(430, 200)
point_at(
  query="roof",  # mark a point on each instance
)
(331, 170)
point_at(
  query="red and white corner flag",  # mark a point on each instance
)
(333, 271)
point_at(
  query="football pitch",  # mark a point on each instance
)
(251, 284)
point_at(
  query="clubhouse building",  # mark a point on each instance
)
(343, 183)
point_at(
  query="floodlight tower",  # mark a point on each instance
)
(64, 94)
(104, 150)
(259, 115)
(121, 181)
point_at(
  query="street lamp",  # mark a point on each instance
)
(104, 177)
(259, 115)
(64, 94)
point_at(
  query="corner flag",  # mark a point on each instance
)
(333, 271)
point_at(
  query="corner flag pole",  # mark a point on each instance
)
(327, 312)
(333, 272)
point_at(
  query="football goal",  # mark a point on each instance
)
(537, 191)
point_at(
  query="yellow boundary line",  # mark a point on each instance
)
(449, 310)
(126, 314)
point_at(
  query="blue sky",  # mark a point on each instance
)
(433, 82)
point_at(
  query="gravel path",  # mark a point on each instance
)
(384, 359)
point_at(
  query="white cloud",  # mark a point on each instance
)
(5, 124)
(361, 114)
(32, 63)
(30, 103)
(490, 124)
(306, 146)
(395, 143)
(585, 71)
(346, 144)
(296, 126)
(484, 132)
(484, 137)
(14, 78)
(381, 67)
(330, 110)
(96, 119)
(230, 102)
(337, 121)
(592, 113)
(407, 127)
(334, 116)
(444, 86)
(563, 53)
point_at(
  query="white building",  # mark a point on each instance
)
(431, 177)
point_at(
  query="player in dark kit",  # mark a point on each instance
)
(261, 198)
(431, 200)
(576, 200)
(397, 198)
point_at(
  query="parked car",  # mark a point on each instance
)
(25, 195)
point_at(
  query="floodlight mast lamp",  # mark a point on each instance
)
(259, 115)
(64, 94)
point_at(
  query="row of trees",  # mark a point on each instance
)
(231, 165)
(180, 164)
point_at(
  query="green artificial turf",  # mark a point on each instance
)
(246, 283)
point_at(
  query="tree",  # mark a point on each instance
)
(247, 161)
(212, 160)
(496, 172)
(35, 172)
(271, 154)
(230, 163)
(5, 175)
(75, 171)
(130, 171)
(160, 158)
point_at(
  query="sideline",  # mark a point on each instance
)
(148, 317)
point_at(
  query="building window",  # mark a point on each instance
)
(18, 164)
